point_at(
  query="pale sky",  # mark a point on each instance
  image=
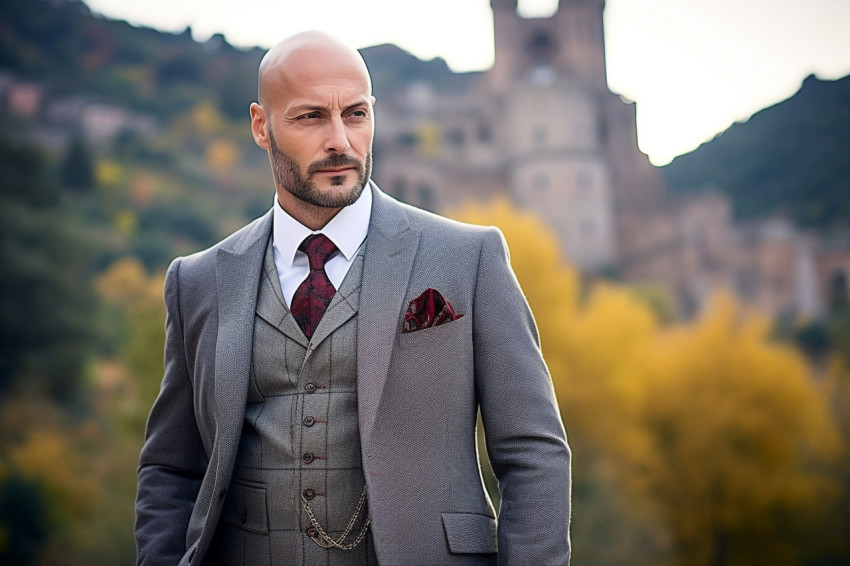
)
(692, 66)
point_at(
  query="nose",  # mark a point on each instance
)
(337, 136)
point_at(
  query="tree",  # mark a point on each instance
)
(741, 438)
(47, 327)
(23, 520)
(77, 171)
(701, 443)
(47, 480)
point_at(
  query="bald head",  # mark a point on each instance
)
(310, 55)
(315, 120)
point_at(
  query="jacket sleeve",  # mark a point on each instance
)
(526, 441)
(172, 461)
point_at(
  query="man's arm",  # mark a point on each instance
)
(172, 461)
(525, 436)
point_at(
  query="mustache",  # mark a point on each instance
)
(335, 161)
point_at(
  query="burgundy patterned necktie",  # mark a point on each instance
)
(315, 293)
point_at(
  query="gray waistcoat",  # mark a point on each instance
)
(300, 436)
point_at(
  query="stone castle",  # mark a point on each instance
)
(542, 128)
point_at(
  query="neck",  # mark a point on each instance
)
(310, 215)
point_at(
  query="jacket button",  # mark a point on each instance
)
(309, 421)
(243, 518)
(312, 532)
(309, 494)
(310, 387)
(307, 457)
(222, 493)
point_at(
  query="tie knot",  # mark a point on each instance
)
(318, 249)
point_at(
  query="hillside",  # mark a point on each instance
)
(790, 159)
(62, 44)
(195, 173)
(787, 159)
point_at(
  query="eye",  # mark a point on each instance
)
(309, 116)
(359, 114)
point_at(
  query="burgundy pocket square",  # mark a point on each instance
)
(427, 310)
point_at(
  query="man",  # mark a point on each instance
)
(320, 392)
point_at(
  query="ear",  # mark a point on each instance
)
(260, 126)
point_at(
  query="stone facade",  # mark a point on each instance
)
(543, 128)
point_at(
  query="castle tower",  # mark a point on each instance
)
(549, 84)
(541, 127)
(504, 33)
(571, 42)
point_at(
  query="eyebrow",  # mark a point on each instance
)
(317, 107)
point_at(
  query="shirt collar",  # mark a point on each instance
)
(346, 230)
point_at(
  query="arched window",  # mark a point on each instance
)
(541, 47)
(485, 134)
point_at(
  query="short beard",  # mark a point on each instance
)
(288, 175)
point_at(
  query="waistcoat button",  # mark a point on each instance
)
(309, 421)
(312, 532)
(307, 457)
(309, 494)
(309, 387)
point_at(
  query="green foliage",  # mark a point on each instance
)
(77, 171)
(788, 159)
(23, 521)
(690, 441)
(61, 43)
(46, 324)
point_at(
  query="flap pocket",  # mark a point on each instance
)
(470, 533)
(245, 508)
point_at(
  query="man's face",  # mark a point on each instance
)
(317, 117)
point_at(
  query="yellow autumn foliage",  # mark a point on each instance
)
(129, 289)
(205, 118)
(109, 173)
(41, 445)
(737, 424)
(223, 155)
(127, 283)
(693, 442)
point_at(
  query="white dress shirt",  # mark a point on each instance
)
(347, 230)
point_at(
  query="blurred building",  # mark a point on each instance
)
(31, 111)
(543, 128)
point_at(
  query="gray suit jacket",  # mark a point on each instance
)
(418, 394)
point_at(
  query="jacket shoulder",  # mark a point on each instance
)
(434, 224)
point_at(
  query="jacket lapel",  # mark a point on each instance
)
(238, 271)
(271, 306)
(390, 249)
